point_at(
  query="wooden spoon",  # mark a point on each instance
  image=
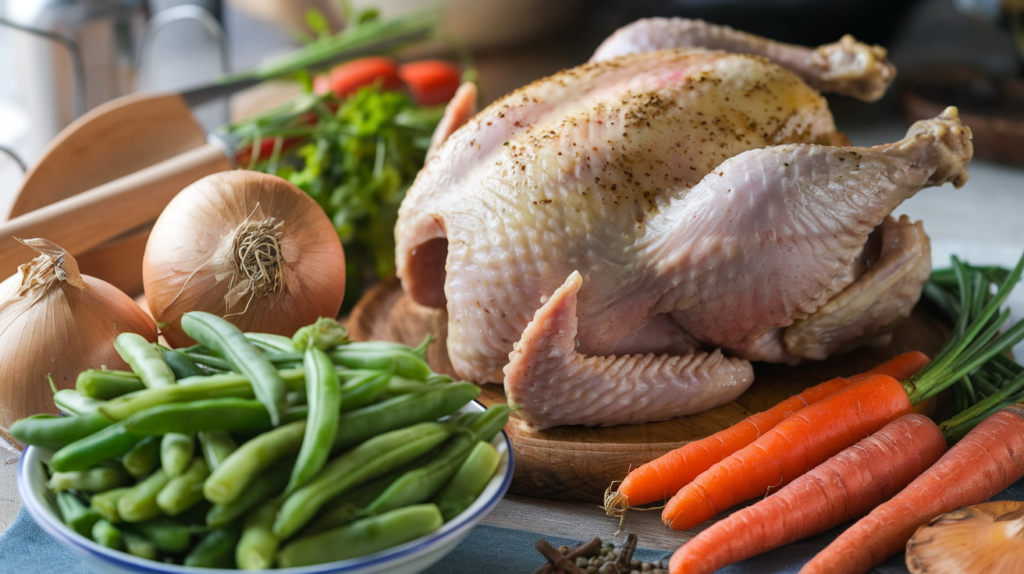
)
(104, 179)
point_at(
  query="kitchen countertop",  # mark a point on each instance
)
(980, 223)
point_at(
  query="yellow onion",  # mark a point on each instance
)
(247, 246)
(55, 321)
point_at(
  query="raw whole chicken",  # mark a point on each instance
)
(618, 241)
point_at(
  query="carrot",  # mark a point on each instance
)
(819, 431)
(845, 487)
(793, 447)
(665, 475)
(431, 82)
(901, 367)
(345, 79)
(986, 461)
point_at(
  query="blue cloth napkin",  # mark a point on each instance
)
(26, 549)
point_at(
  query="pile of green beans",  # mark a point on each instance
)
(255, 451)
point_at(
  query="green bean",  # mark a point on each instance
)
(421, 484)
(215, 446)
(75, 514)
(93, 480)
(54, 432)
(352, 505)
(362, 346)
(402, 386)
(363, 537)
(227, 341)
(258, 544)
(212, 387)
(294, 398)
(279, 358)
(106, 534)
(195, 515)
(145, 360)
(323, 394)
(226, 414)
(252, 458)
(182, 366)
(356, 393)
(185, 490)
(469, 481)
(143, 458)
(359, 392)
(323, 334)
(216, 549)
(271, 342)
(102, 384)
(263, 487)
(176, 453)
(424, 482)
(138, 545)
(73, 403)
(403, 362)
(139, 503)
(105, 503)
(294, 379)
(86, 452)
(167, 535)
(428, 404)
(211, 362)
(371, 459)
(437, 378)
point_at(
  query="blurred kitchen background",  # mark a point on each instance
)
(964, 52)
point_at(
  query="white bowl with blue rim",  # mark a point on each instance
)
(408, 558)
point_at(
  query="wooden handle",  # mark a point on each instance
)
(92, 217)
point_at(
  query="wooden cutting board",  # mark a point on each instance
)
(578, 463)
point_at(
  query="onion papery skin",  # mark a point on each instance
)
(188, 261)
(66, 331)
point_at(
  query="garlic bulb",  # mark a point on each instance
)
(249, 247)
(985, 538)
(55, 321)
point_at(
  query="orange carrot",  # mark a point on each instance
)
(901, 367)
(431, 82)
(845, 487)
(664, 476)
(986, 461)
(345, 79)
(815, 433)
(797, 444)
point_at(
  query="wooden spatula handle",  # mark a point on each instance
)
(92, 217)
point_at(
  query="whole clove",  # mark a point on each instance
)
(625, 560)
(581, 551)
(559, 561)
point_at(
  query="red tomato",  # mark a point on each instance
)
(431, 81)
(345, 79)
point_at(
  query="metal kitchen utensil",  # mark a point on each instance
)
(72, 56)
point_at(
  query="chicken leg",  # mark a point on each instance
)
(846, 67)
